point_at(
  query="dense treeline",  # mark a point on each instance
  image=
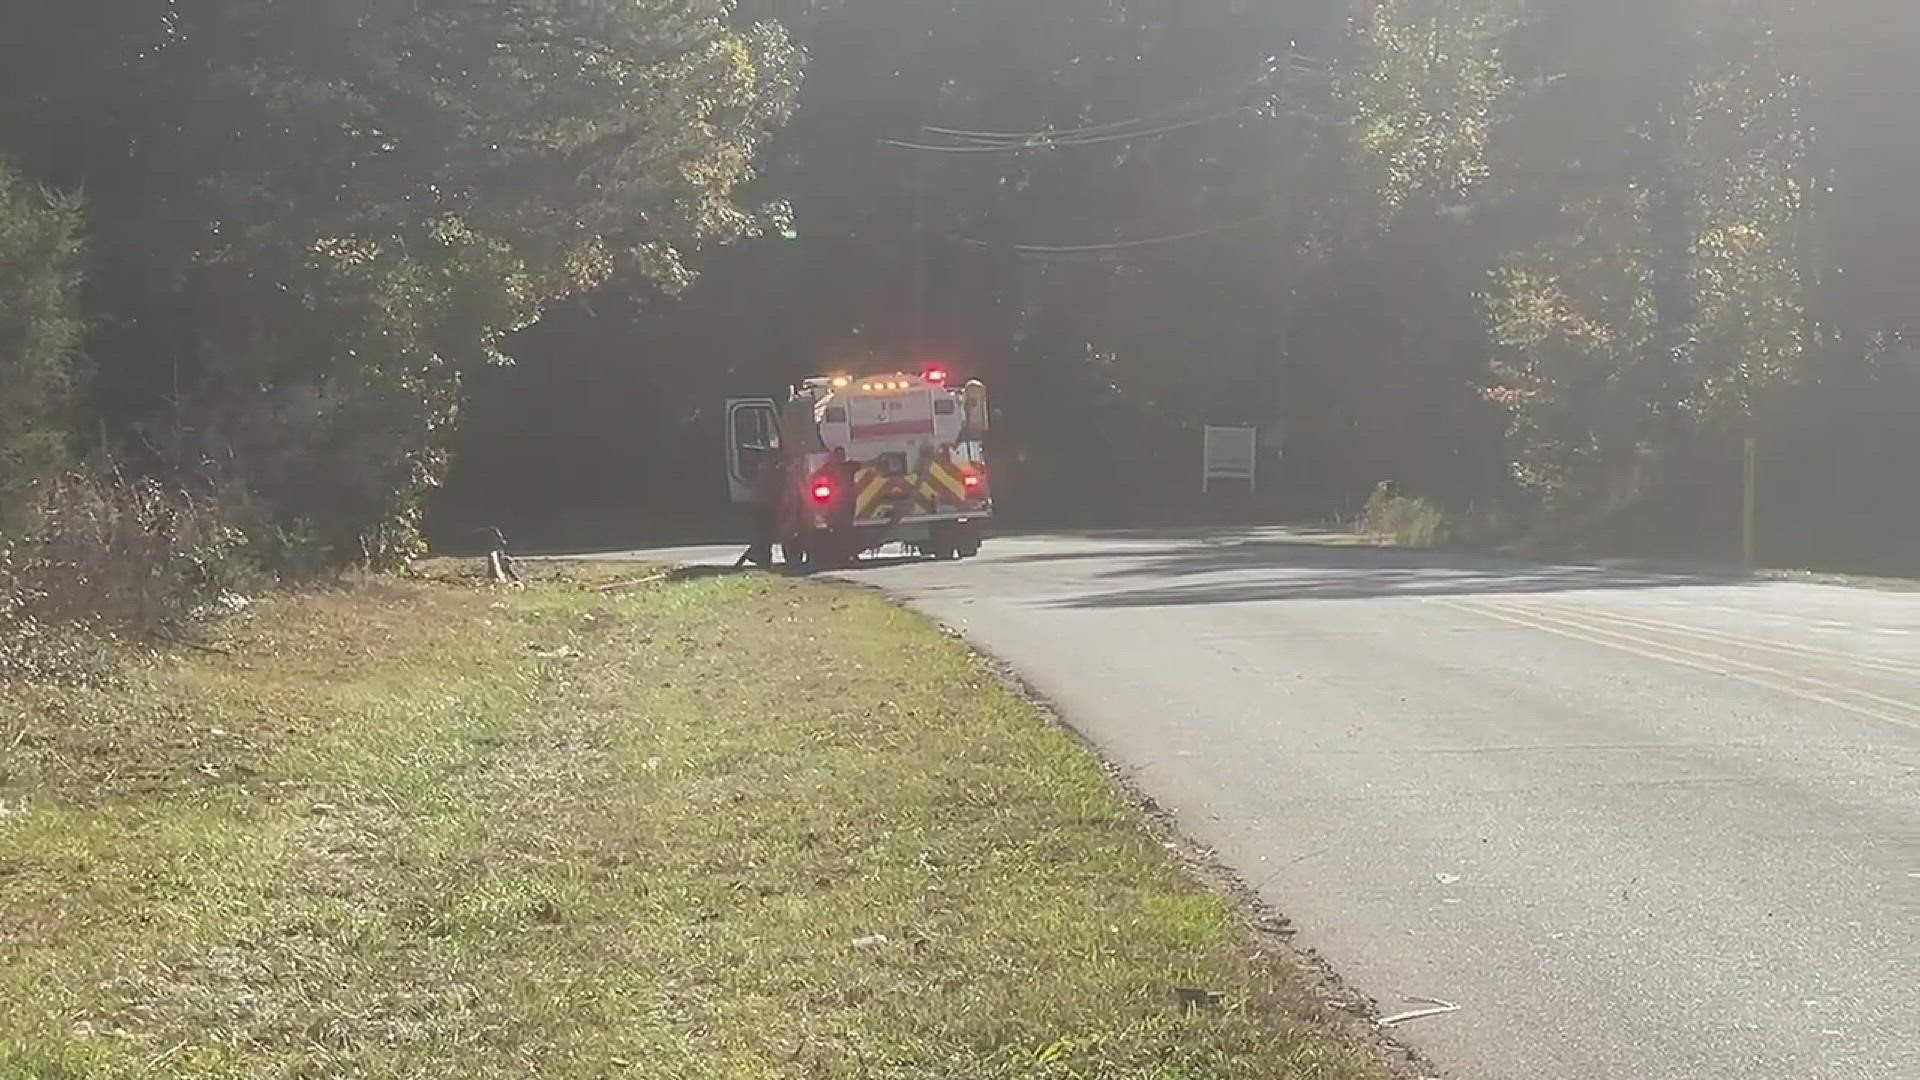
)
(305, 221)
(1545, 257)
(250, 249)
(1159, 118)
(1680, 225)
(1549, 257)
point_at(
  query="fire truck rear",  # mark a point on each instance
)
(851, 464)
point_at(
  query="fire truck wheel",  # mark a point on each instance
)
(946, 544)
(793, 552)
(818, 550)
(825, 550)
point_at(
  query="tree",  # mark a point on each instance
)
(40, 334)
(1659, 294)
(313, 219)
(1553, 253)
(1427, 89)
(1748, 144)
(1082, 125)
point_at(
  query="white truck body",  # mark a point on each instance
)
(866, 462)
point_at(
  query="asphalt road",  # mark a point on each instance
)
(1637, 826)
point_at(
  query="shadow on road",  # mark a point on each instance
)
(1269, 569)
(1170, 533)
(702, 573)
(880, 562)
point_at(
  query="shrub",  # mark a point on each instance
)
(1414, 522)
(30, 650)
(1409, 522)
(99, 559)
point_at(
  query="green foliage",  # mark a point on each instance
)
(1103, 361)
(318, 216)
(1545, 241)
(1666, 299)
(1426, 92)
(40, 334)
(1573, 324)
(1748, 143)
(1418, 522)
(1408, 522)
(1636, 179)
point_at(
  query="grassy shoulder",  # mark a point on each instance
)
(734, 827)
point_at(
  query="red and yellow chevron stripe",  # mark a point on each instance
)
(942, 484)
(875, 491)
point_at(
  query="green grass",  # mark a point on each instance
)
(735, 827)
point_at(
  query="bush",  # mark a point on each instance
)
(1409, 522)
(1414, 522)
(31, 651)
(103, 559)
(40, 332)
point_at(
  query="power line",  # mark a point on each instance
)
(1023, 137)
(1292, 64)
(1051, 144)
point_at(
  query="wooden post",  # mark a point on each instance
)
(500, 569)
(1749, 516)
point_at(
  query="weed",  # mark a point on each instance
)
(1415, 522)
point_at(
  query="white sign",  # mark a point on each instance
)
(1231, 454)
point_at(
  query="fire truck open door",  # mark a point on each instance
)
(753, 444)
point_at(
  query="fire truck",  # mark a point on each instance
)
(850, 464)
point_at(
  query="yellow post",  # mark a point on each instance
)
(1750, 518)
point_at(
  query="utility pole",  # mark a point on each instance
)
(1750, 514)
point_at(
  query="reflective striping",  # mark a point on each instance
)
(878, 494)
(872, 486)
(940, 485)
(946, 476)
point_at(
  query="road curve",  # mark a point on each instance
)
(1645, 826)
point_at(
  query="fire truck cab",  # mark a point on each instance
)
(850, 464)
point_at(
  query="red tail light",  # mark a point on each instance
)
(822, 492)
(972, 481)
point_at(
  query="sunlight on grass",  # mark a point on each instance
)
(738, 827)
